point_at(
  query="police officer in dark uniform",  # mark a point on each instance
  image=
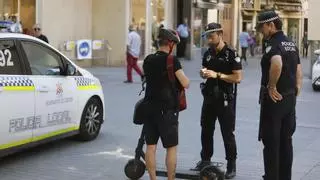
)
(280, 84)
(222, 69)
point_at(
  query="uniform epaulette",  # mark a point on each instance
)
(230, 48)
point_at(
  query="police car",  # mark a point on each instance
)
(316, 72)
(44, 96)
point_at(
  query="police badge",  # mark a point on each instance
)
(208, 58)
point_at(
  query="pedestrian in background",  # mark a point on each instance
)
(252, 43)
(183, 31)
(133, 53)
(305, 43)
(244, 38)
(38, 33)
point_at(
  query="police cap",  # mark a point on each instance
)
(169, 34)
(265, 17)
(212, 27)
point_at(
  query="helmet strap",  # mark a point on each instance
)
(171, 47)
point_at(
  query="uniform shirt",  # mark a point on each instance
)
(159, 89)
(224, 62)
(134, 44)
(279, 44)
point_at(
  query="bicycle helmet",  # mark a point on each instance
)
(168, 34)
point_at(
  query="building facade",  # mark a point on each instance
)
(290, 11)
(106, 20)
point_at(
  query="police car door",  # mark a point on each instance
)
(17, 99)
(56, 100)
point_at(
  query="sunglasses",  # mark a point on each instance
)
(37, 29)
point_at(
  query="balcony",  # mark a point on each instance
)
(288, 5)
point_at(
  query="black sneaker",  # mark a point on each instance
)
(127, 81)
(200, 165)
(231, 170)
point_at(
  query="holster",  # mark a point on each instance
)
(215, 93)
(262, 96)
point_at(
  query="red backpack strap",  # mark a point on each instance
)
(170, 68)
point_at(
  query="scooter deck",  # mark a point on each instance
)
(180, 173)
(184, 173)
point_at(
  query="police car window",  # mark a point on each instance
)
(9, 59)
(43, 61)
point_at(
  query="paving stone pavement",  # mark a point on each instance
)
(105, 157)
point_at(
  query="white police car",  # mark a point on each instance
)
(316, 72)
(44, 96)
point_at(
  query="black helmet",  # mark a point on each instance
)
(265, 17)
(212, 27)
(168, 34)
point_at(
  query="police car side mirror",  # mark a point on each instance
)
(317, 52)
(70, 70)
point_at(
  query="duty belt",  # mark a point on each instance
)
(264, 93)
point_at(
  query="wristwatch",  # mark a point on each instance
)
(218, 75)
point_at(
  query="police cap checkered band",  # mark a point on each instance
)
(212, 27)
(266, 16)
(169, 34)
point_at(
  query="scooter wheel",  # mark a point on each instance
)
(134, 169)
(211, 173)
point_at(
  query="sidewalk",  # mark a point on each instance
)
(250, 165)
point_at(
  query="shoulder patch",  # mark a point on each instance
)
(268, 49)
(237, 59)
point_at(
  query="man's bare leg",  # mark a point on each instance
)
(151, 161)
(171, 162)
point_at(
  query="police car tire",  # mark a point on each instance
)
(84, 134)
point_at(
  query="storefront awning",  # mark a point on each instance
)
(288, 5)
(206, 4)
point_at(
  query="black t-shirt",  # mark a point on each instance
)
(279, 44)
(159, 89)
(224, 62)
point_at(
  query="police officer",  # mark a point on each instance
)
(222, 70)
(280, 84)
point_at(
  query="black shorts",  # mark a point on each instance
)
(163, 124)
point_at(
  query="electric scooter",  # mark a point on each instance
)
(135, 168)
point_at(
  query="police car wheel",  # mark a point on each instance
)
(211, 173)
(134, 169)
(91, 120)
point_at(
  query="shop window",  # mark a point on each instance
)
(138, 18)
(9, 12)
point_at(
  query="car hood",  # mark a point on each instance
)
(86, 73)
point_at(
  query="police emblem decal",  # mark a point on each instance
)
(208, 58)
(237, 59)
(268, 49)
